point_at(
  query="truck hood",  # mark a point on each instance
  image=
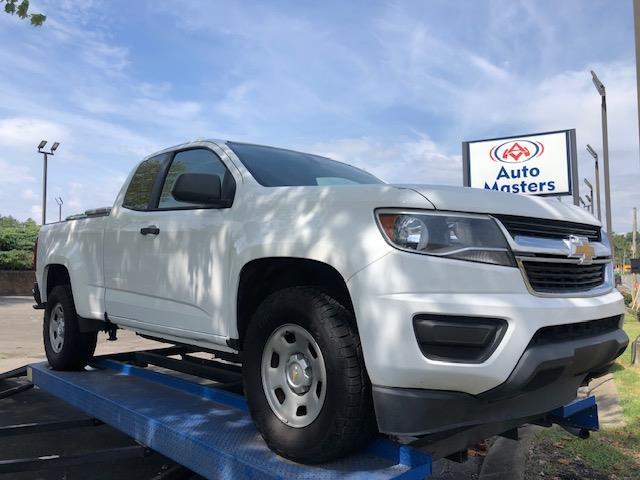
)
(476, 200)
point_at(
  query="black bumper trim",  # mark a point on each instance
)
(546, 377)
(458, 339)
(545, 364)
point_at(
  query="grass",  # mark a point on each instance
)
(613, 452)
(627, 376)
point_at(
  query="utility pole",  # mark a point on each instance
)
(605, 153)
(635, 290)
(634, 234)
(636, 16)
(54, 147)
(60, 203)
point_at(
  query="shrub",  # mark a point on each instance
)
(627, 298)
(16, 260)
(17, 240)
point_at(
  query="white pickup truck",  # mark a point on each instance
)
(354, 306)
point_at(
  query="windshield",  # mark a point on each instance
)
(277, 167)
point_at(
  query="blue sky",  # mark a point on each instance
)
(393, 87)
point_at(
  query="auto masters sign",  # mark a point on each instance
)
(535, 164)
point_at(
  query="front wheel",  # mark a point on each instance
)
(67, 348)
(304, 376)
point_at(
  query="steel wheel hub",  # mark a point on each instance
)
(56, 328)
(299, 373)
(294, 375)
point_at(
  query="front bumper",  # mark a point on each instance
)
(546, 377)
(388, 294)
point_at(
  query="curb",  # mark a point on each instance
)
(507, 458)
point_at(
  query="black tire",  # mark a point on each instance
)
(77, 347)
(346, 419)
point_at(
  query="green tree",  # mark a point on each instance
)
(21, 9)
(622, 243)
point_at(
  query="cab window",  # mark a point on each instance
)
(197, 160)
(140, 188)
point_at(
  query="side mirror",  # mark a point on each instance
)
(200, 188)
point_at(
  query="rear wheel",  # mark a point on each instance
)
(305, 381)
(67, 348)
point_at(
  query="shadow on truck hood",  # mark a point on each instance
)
(477, 200)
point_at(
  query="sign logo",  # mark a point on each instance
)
(516, 151)
(580, 248)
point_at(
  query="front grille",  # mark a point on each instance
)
(538, 227)
(563, 277)
(573, 331)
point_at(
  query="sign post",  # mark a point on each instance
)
(543, 164)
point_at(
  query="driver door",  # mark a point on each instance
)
(173, 257)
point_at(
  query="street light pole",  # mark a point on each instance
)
(590, 204)
(605, 153)
(60, 203)
(597, 175)
(54, 147)
(44, 189)
(589, 197)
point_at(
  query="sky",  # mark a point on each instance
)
(393, 86)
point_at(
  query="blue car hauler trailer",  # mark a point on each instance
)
(170, 406)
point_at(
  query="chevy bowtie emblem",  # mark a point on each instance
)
(580, 248)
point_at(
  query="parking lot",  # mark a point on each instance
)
(24, 345)
(21, 341)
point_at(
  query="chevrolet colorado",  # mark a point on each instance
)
(354, 306)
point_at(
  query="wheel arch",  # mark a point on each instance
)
(55, 274)
(261, 277)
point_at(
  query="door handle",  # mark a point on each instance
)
(150, 230)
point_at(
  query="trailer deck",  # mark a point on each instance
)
(171, 407)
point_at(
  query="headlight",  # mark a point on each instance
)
(476, 238)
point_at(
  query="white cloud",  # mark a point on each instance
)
(106, 58)
(13, 174)
(29, 195)
(23, 131)
(35, 212)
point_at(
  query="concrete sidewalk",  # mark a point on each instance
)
(606, 392)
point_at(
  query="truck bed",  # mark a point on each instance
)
(80, 237)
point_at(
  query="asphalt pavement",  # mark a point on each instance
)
(21, 337)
